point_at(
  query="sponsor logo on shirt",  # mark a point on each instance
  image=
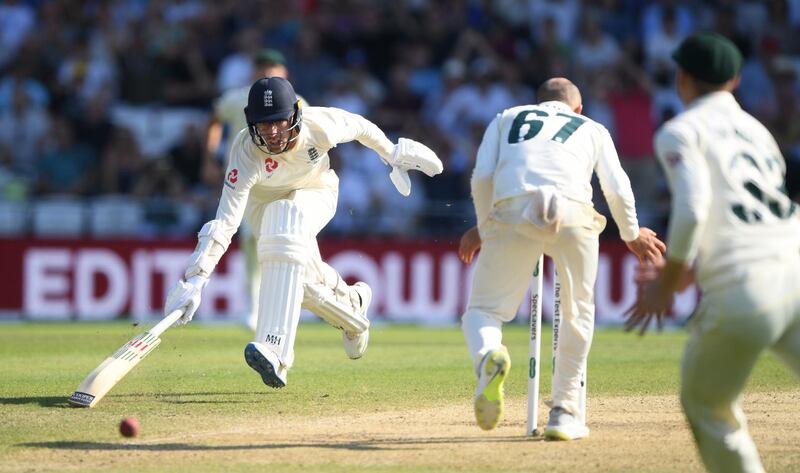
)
(313, 154)
(270, 165)
(232, 177)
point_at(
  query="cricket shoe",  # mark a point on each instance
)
(355, 344)
(564, 426)
(266, 363)
(489, 395)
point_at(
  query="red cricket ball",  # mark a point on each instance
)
(129, 427)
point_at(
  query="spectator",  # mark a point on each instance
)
(594, 51)
(17, 19)
(122, 163)
(652, 19)
(21, 77)
(66, 166)
(22, 127)
(660, 45)
(563, 13)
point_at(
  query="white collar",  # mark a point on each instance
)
(719, 99)
(556, 104)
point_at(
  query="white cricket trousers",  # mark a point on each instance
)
(316, 208)
(509, 253)
(733, 325)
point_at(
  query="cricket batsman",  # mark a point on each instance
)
(279, 179)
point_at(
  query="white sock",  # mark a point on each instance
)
(482, 333)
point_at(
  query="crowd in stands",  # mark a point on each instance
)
(108, 101)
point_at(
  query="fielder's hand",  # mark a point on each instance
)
(469, 245)
(656, 294)
(647, 247)
(412, 155)
(185, 295)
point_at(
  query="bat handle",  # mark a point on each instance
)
(166, 322)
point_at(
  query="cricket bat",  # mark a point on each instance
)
(107, 375)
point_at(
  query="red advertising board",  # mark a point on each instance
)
(412, 281)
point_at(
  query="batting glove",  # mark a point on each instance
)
(185, 295)
(412, 155)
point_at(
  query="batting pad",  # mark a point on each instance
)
(282, 253)
(334, 301)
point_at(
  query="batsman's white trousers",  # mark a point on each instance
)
(341, 308)
(733, 325)
(510, 248)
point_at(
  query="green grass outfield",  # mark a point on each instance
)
(198, 377)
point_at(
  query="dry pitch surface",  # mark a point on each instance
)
(644, 434)
(222, 426)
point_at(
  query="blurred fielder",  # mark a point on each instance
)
(731, 220)
(279, 179)
(532, 193)
(228, 117)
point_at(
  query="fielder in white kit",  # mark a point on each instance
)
(532, 193)
(733, 224)
(279, 179)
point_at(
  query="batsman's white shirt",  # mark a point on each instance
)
(254, 178)
(548, 144)
(748, 218)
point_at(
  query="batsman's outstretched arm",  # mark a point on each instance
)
(406, 155)
(215, 236)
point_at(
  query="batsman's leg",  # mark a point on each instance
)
(283, 253)
(324, 291)
(253, 274)
(334, 301)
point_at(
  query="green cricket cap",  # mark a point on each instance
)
(270, 56)
(709, 57)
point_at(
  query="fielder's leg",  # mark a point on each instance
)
(788, 347)
(283, 252)
(734, 324)
(714, 371)
(575, 255)
(502, 272)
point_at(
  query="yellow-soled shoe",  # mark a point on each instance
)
(489, 395)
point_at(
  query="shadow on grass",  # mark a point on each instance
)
(170, 398)
(365, 445)
(44, 401)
